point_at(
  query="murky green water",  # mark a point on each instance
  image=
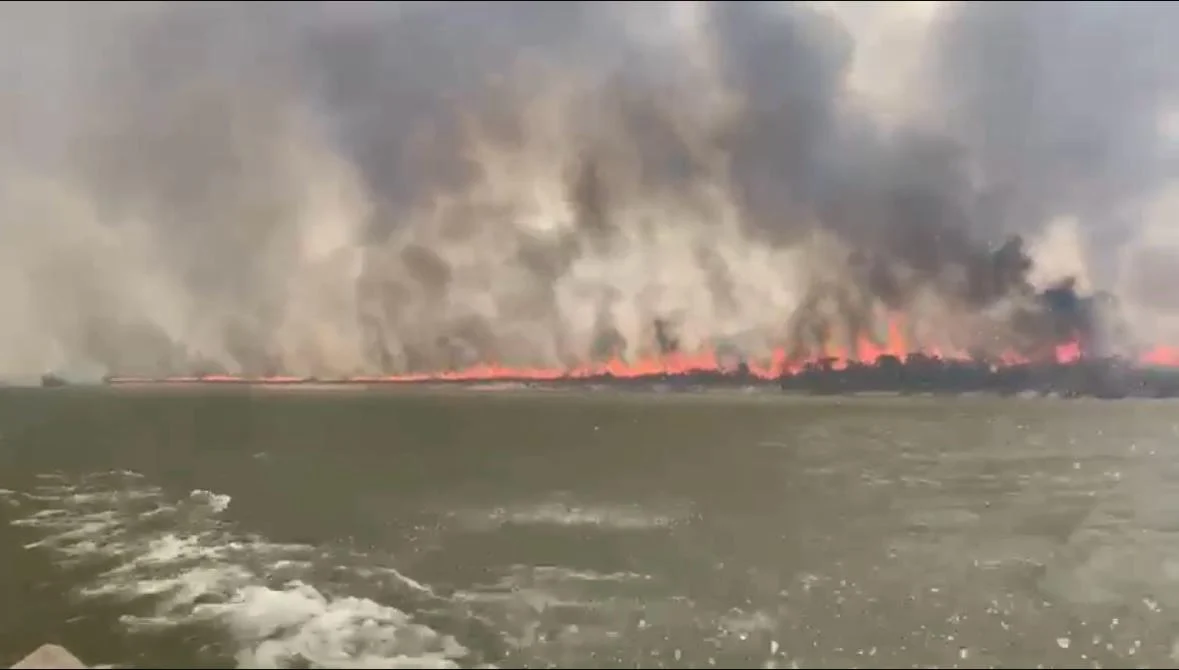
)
(424, 529)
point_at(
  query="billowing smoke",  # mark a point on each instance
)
(330, 188)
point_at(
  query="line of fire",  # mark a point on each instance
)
(1072, 361)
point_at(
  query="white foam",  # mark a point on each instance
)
(571, 513)
(299, 622)
(190, 568)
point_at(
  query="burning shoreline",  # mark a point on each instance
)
(1071, 358)
(915, 373)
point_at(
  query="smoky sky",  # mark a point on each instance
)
(337, 188)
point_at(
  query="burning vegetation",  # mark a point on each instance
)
(1073, 346)
(914, 373)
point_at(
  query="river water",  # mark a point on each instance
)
(427, 528)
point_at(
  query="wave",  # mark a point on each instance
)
(175, 564)
(191, 569)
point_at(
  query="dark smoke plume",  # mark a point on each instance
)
(329, 188)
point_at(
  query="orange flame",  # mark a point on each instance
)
(780, 363)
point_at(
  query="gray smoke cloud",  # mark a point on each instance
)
(337, 188)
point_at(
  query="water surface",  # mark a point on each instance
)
(415, 528)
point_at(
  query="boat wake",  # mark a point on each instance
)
(174, 563)
(178, 569)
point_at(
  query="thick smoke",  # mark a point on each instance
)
(331, 188)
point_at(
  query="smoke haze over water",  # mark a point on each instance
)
(336, 188)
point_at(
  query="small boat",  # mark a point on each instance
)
(50, 657)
